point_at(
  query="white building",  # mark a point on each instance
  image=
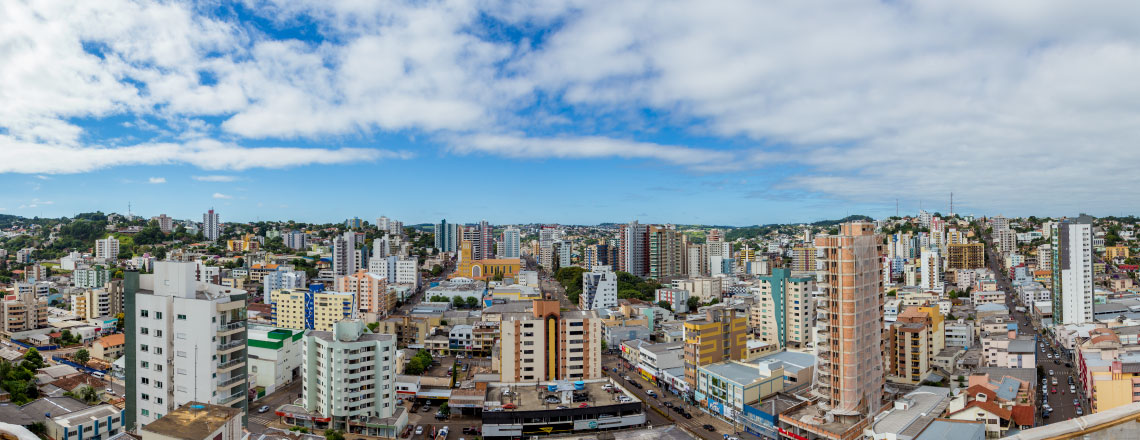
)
(107, 248)
(90, 277)
(211, 225)
(344, 257)
(295, 240)
(599, 289)
(69, 261)
(678, 299)
(185, 342)
(283, 279)
(350, 375)
(397, 270)
(930, 262)
(275, 356)
(960, 334)
(510, 246)
(1073, 271)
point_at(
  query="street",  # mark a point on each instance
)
(662, 415)
(258, 421)
(1060, 398)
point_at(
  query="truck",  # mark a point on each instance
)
(442, 434)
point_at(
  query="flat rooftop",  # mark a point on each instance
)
(101, 412)
(193, 421)
(530, 397)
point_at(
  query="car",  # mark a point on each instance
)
(419, 430)
(709, 427)
(1051, 373)
(1049, 356)
(668, 404)
(687, 415)
(584, 405)
(1068, 365)
(1080, 412)
(471, 430)
(1046, 414)
(109, 390)
(510, 406)
(264, 409)
(1076, 402)
(627, 378)
(624, 399)
(552, 399)
(1054, 390)
(651, 393)
(426, 408)
(562, 407)
(440, 416)
(1056, 362)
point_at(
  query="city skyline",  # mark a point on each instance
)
(258, 109)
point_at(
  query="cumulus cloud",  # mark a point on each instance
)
(157, 180)
(222, 196)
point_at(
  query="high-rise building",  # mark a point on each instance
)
(966, 256)
(350, 377)
(23, 310)
(185, 342)
(354, 223)
(90, 277)
(912, 341)
(311, 309)
(803, 259)
(850, 329)
(547, 254)
(541, 342)
(383, 223)
(599, 289)
(1045, 256)
(666, 252)
(446, 236)
(720, 336)
(211, 225)
(784, 312)
(283, 279)
(930, 262)
(634, 251)
(344, 254)
(93, 303)
(696, 257)
(165, 223)
(107, 248)
(295, 240)
(397, 270)
(485, 248)
(511, 245)
(371, 291)
(1073, 271)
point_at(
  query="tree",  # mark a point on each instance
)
(605, 345)
(119, 323)
(332, 434)
(665, 305)
(457, 302)
(372, 326)
(693, 303)
(444, 408)
(436, 270)
(82, 356)
(953, 294)
(472, 302)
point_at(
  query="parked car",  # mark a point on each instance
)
(584, 405)
(687, 415)
(510, 406)
(471, 430)
(552, 399)
(419, 430)
(1051, 373)
(651, 393)
(264, 409)
(1054, 390)
(426, 408)
(709, 427)
(1076, 402)
(1080, 412)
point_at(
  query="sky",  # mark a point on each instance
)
(575, 112)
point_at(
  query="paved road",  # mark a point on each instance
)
(694, 425)
(257, 422)
(1060, 364)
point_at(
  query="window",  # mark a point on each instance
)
(144, 313)
(144, 347)
(182, 317)
(158, 333)
(158, 384)
(145, 396)
(157, 350)
(157, 367)
(145, 364)
(157, 315)
(144, 331)
(146, 412)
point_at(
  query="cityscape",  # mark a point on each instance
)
(634, 220)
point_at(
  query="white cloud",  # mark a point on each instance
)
(155, 180)
(27, 157)
(518, 146)
(215, 178)
(222, 196)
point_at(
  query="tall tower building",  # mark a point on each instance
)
(211, 225)
(445, 236)
(599, 289)
(107, 248)
(344, 254)
(666, 252)
(850, 345)
(486, 248)
(185, 342)
(1072, 271)
(510, 246)
(931, 270)
(634, 252)
(784, 313)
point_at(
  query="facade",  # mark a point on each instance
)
(633, 253)
(93, 303)
(109, 348)
(23, 311)
(678, 299)
(599, 289)
(965, 256)
(483, 269)
(211, 225)
(295, 240)
(784, 312)
(722, 335)
(90, 277)
(1073, 271)
(913, 341)
(850, 330)
(165, 223)
(311, 309)
(540, 342)
(803, 258)
(344, 254)
(705, 289)
(511, 244)
(350, 376)
(107, 248)
(274, 356)
(185, 342)
(666, 252)
(371, 292)
(283, 279)
(96, 422)
(446, 236)
(930, 269)
(397, 270)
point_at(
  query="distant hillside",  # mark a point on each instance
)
(850, 218)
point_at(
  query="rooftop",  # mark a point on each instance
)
(913, 411)
(944, 429)
(39, 409)
(193, 421)
(532, 398)
(101, 412)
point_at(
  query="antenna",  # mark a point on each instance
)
(951, 204)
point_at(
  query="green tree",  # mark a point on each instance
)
(32, 359)
(472, 302)
(665, 305)
(372, 326)
(457, 302)
(693, 303)
(444, 408)
(332, 434)
(82, 356)
(436, 270)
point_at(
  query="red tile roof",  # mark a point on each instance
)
(1022, 415)
(990, 407)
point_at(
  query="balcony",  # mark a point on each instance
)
(230, 364)
(230, 346)
(222, 384)
(232, 398)
(230, 327)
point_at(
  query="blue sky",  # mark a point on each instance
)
(564, 111)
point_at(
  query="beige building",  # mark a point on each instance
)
(784, 311)
(196, 421)
(721, 336)
(109, 348)
(803, 259)
(371, 291)
(301, 309)
(912, 342)
(92, 303)
(703, 288)
(540, 342)
(23, 311)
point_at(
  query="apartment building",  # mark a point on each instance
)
(666, 252)
(371, 291)
(540, 342)
(409, 330)
(510, 247)
(705, 289)
(211, 225)
(90, 277)
(677, 299)
(1073, 271)
(599, 289)
(107, 248)
(1108, 367)
(23, 311)
(197, 420)
(109, 348)
(784, 312)
(312, 308)
(283, 279)
(1009, 349)
(720, 335)
(185, 342)
(396, 269)
(274, 356)
(912, 342)
(965, 256)
(92, 303)
(350, 377)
